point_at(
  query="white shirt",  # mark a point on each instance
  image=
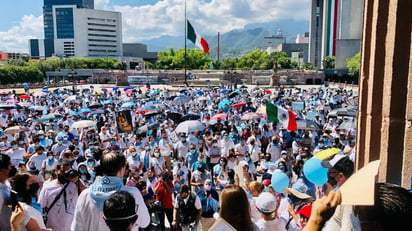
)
(88, 217)
(38, 159)
(16, 155)
(61, 214)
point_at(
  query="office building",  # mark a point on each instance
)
(335, 30)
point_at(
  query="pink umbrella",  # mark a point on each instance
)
(130, 91)
(219, 116)
(250, 116)
(12, 101)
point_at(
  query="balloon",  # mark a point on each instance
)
(314, 171)
(279, 181)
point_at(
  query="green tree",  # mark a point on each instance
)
(353, 64)
(328, 62)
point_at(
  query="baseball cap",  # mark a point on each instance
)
(336, 162)
(266, 202)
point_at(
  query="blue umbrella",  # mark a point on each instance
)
(128, 104)
(199, 92)
(223, 103)
(127, 88)
(109, 101)
(85, 110)
(224, 91)
(115, 88)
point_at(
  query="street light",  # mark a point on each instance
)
(72, 76)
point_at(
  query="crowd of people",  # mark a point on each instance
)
(55, 175)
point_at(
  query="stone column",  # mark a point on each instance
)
(385, 102)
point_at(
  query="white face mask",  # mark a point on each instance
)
(208, 187)
(156, 154)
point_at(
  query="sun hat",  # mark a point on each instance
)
(266, 202)
(298, 190)
(338, 162)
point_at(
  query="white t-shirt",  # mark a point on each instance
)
(61, 214)
(16, 155)
(88, 217)
(271, 225)
(31, 213)
(38, 159)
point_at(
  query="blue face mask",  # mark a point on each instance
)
(192, 151)
(83, 170)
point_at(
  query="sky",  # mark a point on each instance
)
(21, 20)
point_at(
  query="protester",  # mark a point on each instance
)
(235, 209)
(187, 210)
(88, 212)
(5, 210)
(27, 187)
(119, 211)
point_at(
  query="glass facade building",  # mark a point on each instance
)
(65, 30)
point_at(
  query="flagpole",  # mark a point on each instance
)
(185, 46)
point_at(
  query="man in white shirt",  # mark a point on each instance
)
(182, 147)
(16, 153)
(166, 148)
(226, 144)
(241, 149)
(88, 214)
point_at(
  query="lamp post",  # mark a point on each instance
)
(72, 76)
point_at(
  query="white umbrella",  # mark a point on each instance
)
(84, 124)
(189, 126)
(15, 129)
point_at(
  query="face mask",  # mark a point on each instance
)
(156, 154)
(284, 156)
(183, 139)
(192, 151)
(14, 146)
(332, 180)
(41, 137)
(83, 170)
(247, 159)
(33, 188)
(147, 148)
(21, 142)
(50, 157)
(321, 145)
(266, 189)
(208, 187)
(282, 168)
(226, 137)
(221, 163)
(90, 163)
(112, 142)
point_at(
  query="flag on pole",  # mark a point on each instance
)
(278, 114)
(196, 38)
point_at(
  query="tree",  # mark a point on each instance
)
(329, 62)
(353, 64)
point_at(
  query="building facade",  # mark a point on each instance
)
(335, 30)
(49, 20)
(88, 33)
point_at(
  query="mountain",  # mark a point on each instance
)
(236, 42)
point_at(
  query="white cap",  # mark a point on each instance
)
(266, 202)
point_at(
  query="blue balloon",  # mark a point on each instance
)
(315, 172)
(279, 181)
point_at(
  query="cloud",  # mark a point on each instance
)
(166, 17)
(16, 39)
(207, 16)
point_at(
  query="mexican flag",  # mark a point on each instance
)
(278, 114)
(196, 38)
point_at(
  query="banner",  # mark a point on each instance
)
(124, 121)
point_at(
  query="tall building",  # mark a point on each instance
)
(64, 21)
(74, 28)
(335, 30)
(316, 24)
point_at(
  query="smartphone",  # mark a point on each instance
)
(13, 200)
